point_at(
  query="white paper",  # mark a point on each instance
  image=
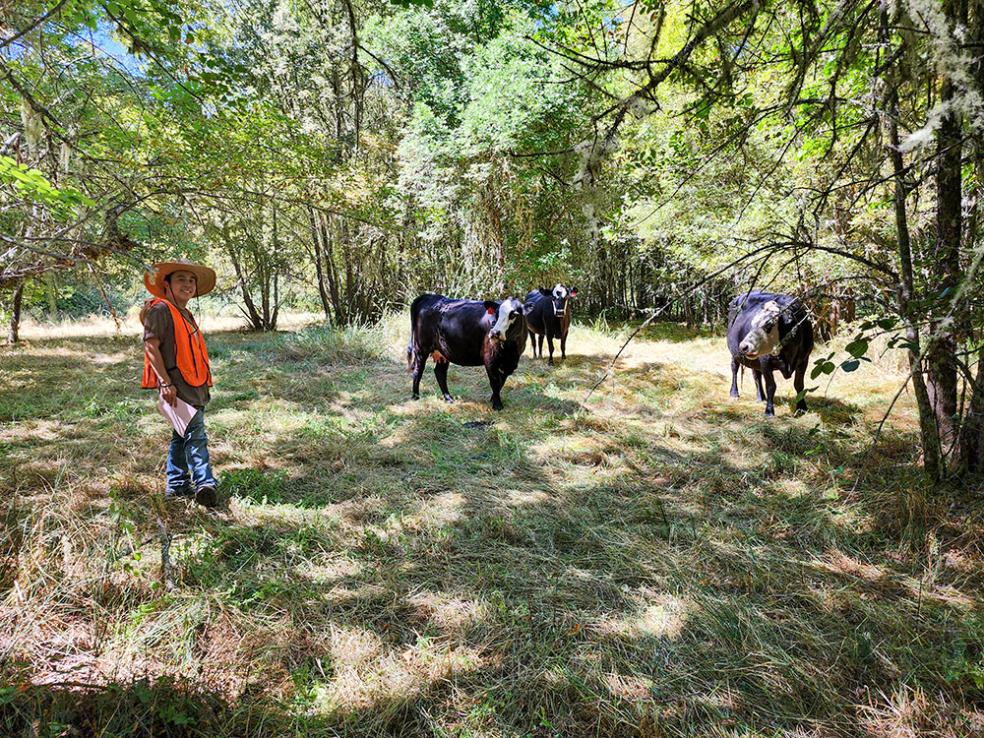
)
(179, 415)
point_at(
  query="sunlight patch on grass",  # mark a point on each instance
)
(367, 674)
(629, 687)
(910, 711)
(447, 613)
(527, 497)
(326, 573)
(664, 618)
(434, 512)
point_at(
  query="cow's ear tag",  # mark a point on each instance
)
(490, 310)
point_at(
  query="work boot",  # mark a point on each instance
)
(206, 497)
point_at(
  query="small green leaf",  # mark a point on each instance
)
(858, 347)
(823, 366)
(802, 396)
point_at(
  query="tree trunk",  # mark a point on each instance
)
(51, 292)
(929, 436)
(276, 302)
(339, 308)
(972, 433)
(250, 312)
(971, 445)
(318, 265)
(942, 348)
(13, 332)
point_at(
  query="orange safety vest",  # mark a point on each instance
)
(190, 353)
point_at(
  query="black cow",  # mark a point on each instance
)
(769, 332)
(548, 313)
(467, 333)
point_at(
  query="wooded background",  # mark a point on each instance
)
(344, 156)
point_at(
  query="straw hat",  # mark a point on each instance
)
(154, 279)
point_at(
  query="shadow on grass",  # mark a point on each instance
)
(408, 568)
(835, 412)
(171, 708)
(711, 578)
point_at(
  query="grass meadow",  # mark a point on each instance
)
(654, 560)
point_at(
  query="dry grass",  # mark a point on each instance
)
(129, 324)
(653, 561)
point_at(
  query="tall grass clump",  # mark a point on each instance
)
(329, 344)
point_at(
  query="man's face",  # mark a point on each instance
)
(184, 285)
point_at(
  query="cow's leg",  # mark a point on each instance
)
(734, 377)
(563, 346)
(550, 348)
(770, 393)
(495, 381)
(798, 385)
(757, 376)
(441, 372)
(532, 343)
(420, 361)
(539, 341)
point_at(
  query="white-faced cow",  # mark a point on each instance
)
(548, 313)
(769, 332)
(467, 333)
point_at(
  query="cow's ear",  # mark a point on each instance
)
(573, 291)
(491, 307)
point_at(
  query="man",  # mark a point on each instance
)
(176, 364)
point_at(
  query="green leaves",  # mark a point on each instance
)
(858, 347)
(800, 396)
(32, 185)
(886, 324)
(822, 366)
(148, 24)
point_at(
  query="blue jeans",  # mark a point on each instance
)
(187, 459)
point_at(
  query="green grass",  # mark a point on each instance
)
(653, 560)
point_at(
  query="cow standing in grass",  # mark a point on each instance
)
(467, 333)
(769, 332)
(548, 313)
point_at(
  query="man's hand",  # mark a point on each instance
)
(169, 394)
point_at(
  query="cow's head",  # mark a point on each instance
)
(506, 315)
(559, 296)
(763, 332)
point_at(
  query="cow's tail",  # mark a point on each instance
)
(411, 353)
